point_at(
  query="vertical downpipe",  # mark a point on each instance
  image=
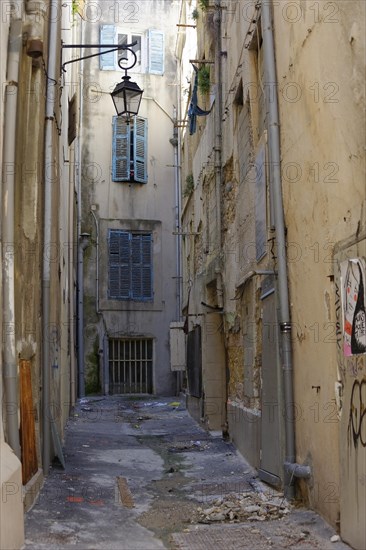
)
(273, 127)
(176, 143)
(80, 250)
(81, 379)
(178, 299)
(218, 122)
(8, 190)
(51, 80)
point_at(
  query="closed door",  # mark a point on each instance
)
(271, 463)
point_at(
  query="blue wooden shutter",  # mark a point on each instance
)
(136, 283)
(141, 267)
(107, 36)
(121, 150)
(119, 265)
(156, 52)
(140, 150)
(147, 268)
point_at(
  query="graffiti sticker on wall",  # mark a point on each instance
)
(353, 279)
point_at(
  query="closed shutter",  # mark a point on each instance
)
(136, 267)
(119, 265)
(108, 35)
(141, 280)
(130, 266)
(121, 150)
(146, 267)
(140, 149)
(156, 52)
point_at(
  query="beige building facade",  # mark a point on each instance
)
(273, 229)
(129, 204)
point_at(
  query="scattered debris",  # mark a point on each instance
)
(335, 538)
(185, 446)
(245, 507)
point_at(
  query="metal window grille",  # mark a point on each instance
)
(130, 365)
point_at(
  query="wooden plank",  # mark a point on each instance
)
(125, 493)
(27, 420)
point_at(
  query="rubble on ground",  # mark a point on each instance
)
(249, 506)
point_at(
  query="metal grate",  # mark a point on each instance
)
(130, 365)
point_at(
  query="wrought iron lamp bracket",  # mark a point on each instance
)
(112, 48)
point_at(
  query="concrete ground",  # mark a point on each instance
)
(141, 474)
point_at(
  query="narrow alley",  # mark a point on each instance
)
(141, 474)
(183, 274)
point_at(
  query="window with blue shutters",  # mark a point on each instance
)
(129, 150)
(149, 49)
(130, 265)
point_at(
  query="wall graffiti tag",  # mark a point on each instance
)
(354, 306)
(357, 422)
(338, 307)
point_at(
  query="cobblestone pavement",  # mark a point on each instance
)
(141, 474)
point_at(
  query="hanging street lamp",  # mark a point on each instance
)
(127, 95)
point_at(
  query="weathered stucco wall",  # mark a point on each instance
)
(321, 91)
(320, 61)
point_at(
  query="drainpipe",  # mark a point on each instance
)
(34, 27)
(98, 312)
(176, 143)
(80, 251)
(291, 469)
(218, 120)
(8, 190)
(96, 261)
(82, 245)
(53, 46)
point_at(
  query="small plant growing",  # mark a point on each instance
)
(204, 80)
(189, 186)
(76, 7)
(195, 14)
(203, 4)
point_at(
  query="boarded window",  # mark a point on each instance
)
(130, 266)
